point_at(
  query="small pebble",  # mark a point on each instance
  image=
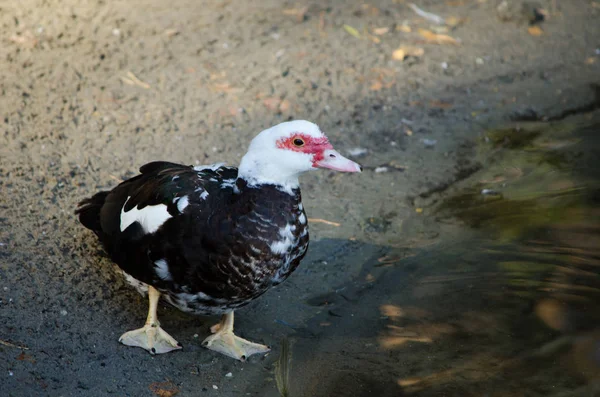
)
(479, 61)
(10, 373)
(215, 387)
(488, 192)
(195, 335)
(116, 32)
(444, 65)
(429, 142)
(380, 170)
(357, 151)
(228, 374)
(63, 312)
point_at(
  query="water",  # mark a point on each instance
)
(506, 304)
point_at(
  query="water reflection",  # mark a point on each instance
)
(507, 305)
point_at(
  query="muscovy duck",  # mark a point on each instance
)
(210, 239)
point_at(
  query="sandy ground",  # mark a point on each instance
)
(91, 90)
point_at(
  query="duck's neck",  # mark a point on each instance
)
(257, 170)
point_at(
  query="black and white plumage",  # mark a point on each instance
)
(210, 239)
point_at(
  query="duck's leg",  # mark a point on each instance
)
(224, 341)
(151, 336)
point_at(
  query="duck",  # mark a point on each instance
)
(210, 239)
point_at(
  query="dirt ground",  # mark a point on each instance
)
(93, 89)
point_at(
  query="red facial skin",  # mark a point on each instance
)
(314, 146)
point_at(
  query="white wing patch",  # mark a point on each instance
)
(150, 217)
(161, 267)
(182, 203)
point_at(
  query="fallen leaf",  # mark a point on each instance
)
(371, 10)
(276, 104)
(437, 38)
(455, 21)
(419, 210)
(404, 28)
(408, 132)
(297, 12)
(440, 104)
(171, 32)
(590, 61)
(132, 79)
(27, 39)
(407, 51)
(284, 106)
(376, 86)
(25, 357)
(381, 31)
(222, 87)
(391, 311)
(352, 31)
(374, 39)
(164, 389)
(535, 30)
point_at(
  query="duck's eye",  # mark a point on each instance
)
(298, 142)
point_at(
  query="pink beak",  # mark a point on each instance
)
(335, 161)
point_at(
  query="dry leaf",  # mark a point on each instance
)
(297, 12)
(407, 51)
(164, 389)
(352, 31)
(374, 39)
(222, 87)
(590, 61)
(535, 30)
(132, 79)
(437, 38)
(25, 357)
(380, 31)
(454, 21)
(171, 32)
(440, 104)
(27, 39)
(272, 103)
(276, 104)
(403, 28)
(376, 86)
(408, 132)
(391, 311)
(284, 106)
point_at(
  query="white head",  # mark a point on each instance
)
(279, 155)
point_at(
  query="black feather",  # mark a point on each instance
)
(89, 211)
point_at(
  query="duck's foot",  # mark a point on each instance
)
(224, 341)
(151, 336)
